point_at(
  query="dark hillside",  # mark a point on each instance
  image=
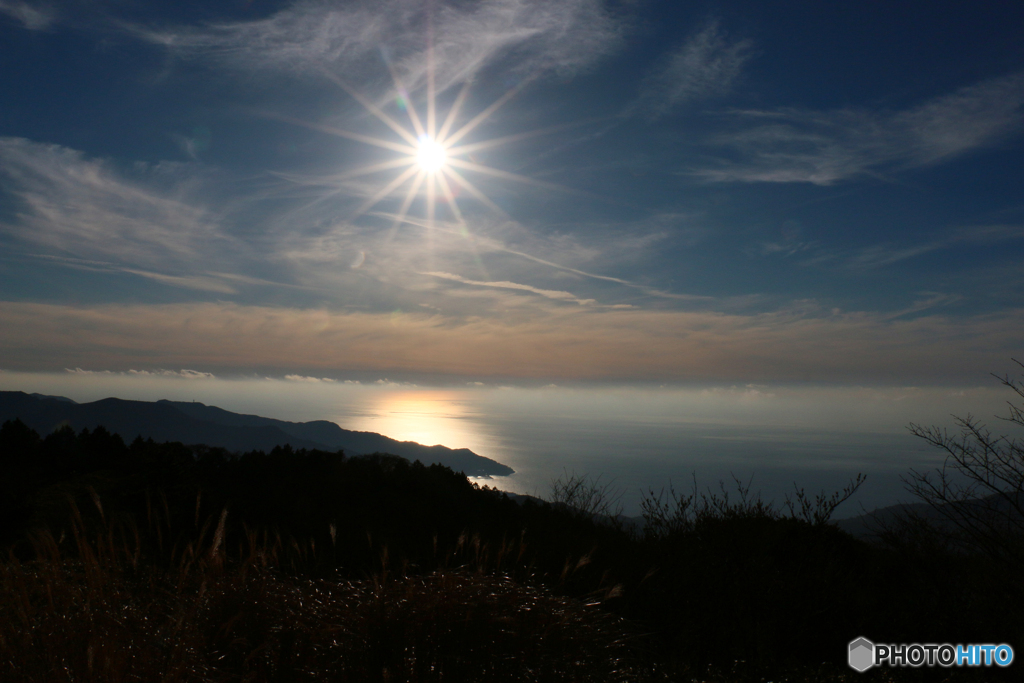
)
(333, 437)
(139, 418)
(196, 423)
(311, 565)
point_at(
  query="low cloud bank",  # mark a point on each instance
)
(622, 345)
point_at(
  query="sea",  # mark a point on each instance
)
(635, 441)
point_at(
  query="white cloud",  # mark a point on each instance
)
(705, 65)
(209, 282)
(85, 208)
(969, 118)
(527, 35)
(311, 380)
(87, 214)
(486, 253)
(393, 385)
(34, 17)
(202, 283)
(546, 293)
(793, 145)
(184, 374)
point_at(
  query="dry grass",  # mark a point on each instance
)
(93, 606)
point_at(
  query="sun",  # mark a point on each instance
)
(431, 155)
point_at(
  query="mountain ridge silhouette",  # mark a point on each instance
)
(197, 423)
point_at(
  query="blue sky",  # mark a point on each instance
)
(677, 193)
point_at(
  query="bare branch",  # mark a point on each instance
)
(587, 496)
(979, 490)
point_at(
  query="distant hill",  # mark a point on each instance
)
(55, 398)
(196, 423)
(869, 525)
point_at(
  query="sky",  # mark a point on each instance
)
(514, 192)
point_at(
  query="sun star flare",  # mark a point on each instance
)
(431, 155)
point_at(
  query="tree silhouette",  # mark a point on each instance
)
(979, 490)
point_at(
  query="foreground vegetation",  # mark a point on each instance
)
(168, 562)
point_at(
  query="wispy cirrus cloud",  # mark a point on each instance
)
(925, 301)
(826, 147)
(86, 209)
(705, 65)
(223, 283)
(86, 214)
(883, 255)
(962, 284)
(546, 293)
(577, 265)
(565, 249)
(528, 35)
(887, 254)
(203, 283)
(34, 17)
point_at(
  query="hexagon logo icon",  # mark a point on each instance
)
(862, 654)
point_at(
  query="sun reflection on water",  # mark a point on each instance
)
(429, 417)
